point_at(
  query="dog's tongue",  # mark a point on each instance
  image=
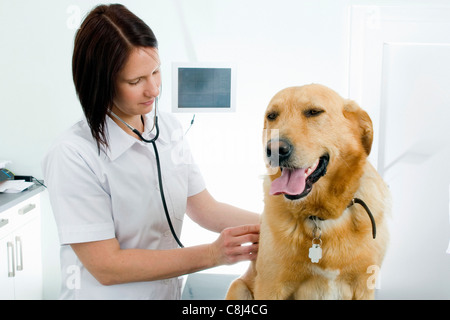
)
(291, 182)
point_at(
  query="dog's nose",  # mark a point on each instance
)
(279, 150)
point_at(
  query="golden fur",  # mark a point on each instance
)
(351, 257)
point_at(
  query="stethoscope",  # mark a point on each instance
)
(158, 164)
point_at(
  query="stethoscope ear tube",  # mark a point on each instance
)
(161, 191)
(158, 166)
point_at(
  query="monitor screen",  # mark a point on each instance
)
(203, 87)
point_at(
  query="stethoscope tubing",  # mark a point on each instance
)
(158, 165)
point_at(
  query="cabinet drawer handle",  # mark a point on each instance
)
(3, 222)
(11, 261)
(27, 208)
(19, 254)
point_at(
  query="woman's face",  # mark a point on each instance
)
(138, 83)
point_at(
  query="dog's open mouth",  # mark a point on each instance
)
(297, 183)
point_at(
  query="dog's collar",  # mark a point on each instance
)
(364, 205)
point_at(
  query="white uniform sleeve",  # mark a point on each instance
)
(81, 206)
(196, 183)
(175, 132)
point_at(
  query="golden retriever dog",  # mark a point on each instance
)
(323, 230)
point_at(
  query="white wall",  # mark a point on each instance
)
(274, 44)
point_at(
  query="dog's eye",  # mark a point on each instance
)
(272, 115)
(313, 112)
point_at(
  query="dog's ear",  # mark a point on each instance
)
(353, 112)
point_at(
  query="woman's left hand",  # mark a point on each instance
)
(236, 244)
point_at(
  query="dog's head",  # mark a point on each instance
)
(314, 139)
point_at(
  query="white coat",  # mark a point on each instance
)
(115, 194)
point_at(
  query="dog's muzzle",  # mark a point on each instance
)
(278, 152)
(294, 182)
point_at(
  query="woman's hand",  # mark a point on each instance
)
(229, 248)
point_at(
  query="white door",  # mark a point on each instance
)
(7, 268)
(400, 72)
(28, 274)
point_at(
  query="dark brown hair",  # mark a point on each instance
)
(102, 46)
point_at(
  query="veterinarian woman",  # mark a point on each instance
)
(103, 178)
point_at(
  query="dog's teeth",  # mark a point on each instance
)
(310, 169)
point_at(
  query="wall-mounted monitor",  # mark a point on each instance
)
(203, 87)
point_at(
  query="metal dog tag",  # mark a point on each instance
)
(315, 253)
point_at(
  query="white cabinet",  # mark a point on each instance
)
(20, 251)
(6, 269)
(399, 73)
